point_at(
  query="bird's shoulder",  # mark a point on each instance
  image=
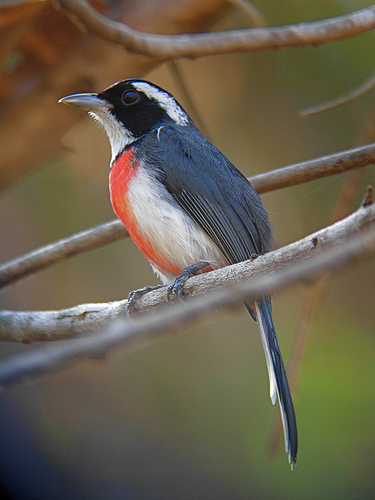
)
(188, 161)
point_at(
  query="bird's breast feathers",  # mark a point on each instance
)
(164, 233)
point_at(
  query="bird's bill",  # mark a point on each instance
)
(89, 102)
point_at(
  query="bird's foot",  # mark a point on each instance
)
(177, 286)
(136, 294)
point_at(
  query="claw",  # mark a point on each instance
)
(136, 294)
(177, 287)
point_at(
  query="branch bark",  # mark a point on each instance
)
(31, 326)
(146, 326)
(203, 44)
(109, 232)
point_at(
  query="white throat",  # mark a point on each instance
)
(119, 137)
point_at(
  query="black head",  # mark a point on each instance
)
(141, 106)
(129, 109)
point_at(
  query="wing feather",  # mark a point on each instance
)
(199, 178)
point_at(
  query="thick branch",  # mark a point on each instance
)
(203, 44)
(146, 326)
(109, 232)
(52, 325)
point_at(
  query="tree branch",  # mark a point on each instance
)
(31, 326)
(203, 44)
(325, 166)
(42, 257)
(146, 326)
(39, 259)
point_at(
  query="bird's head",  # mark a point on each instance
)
(129, 109)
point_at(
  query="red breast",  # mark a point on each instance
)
(123, 171)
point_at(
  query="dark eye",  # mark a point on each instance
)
(130, 97)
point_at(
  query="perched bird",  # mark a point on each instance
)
(184, 204)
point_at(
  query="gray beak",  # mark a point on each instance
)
(89, 102)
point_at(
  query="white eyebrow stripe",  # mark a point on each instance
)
(166, 101)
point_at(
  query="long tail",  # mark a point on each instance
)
(276, 371)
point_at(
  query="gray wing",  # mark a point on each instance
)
(211, 191)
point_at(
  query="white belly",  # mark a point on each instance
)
(170, 231)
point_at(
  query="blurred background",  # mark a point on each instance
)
(187, 417)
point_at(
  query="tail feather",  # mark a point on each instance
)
(278, 380)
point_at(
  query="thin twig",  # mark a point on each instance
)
(253, 15)
(39, 259)
(367, 86)
(148, 326)
(193, 110)
(166, 47)
(52, 325)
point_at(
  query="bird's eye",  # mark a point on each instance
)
(130, 97)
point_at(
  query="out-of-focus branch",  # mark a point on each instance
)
(253, 15)
(148, 326)
(367, 86)
(203, 44)
(52, 325)
(187, 96)
(109, 232)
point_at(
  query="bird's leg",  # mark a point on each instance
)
(136, 294)
(177, 286)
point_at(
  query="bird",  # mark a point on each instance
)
(185, 205)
